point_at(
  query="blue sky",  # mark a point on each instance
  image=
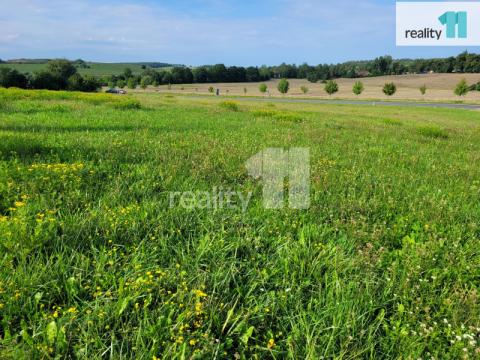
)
(196, 32)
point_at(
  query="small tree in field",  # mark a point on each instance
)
(283, 86)
(389, 89)
(304, 89)
(358, 88)
(462, 88)
(144, 82)
(121, 84)
(331, 87)
(245, 91)
(131, 83)
(263, 88)
(211, 89)
(423, 89)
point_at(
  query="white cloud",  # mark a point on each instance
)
(119, 31)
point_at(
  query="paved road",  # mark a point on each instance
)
(361, 102)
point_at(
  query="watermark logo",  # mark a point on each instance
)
(438, 24)
(280, 170)
(454, 20)
(275, 166)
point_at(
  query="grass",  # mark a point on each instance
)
(96, 264)
(433, 132)
(229, 105)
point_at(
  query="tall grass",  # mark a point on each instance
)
(96, 264)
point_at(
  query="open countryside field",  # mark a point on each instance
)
(97, 263)
(95, 69)
(439, 88)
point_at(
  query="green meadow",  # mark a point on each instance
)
(94, 69)
(95, 262)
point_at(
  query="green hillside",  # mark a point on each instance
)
(96, 69)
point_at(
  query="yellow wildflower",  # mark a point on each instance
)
(200, 293)
(271, 344)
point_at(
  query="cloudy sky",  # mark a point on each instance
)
(195, 32)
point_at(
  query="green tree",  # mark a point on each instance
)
(283, 86)
(211, 89)
(304, 89)
(263, 88)
(462, 88)
(121, 84)
(312, 77)
(331, 87)
(46, 80)
(75, 82)
(389, 89)
(423, 89)
(358, 88)
(61, 68)
(145, 81)
(90, 84)
(127, 73)
(12, 78)
(131, 83)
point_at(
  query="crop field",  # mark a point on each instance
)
(439, 88)
(98, 262)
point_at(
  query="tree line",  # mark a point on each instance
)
(383, 65)
(63, 75)
(58, 75)
(184, 75)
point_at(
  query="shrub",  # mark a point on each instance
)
(245, 91)
(389, 89)
(358, 88)
(283, 86)
(462, 88)
(229, 105)
(211, 89)
(121, 84)
(423, 89)
(304, 89)
(263, 88)
(331, 87)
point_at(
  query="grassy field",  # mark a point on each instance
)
(439, 88)
(95, 263)
(95, 69)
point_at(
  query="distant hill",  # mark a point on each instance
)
(26, 61)
(85, 67)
